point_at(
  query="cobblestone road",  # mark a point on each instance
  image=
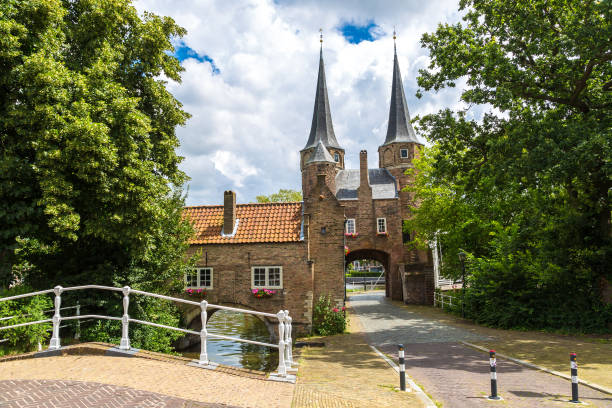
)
(58, 393)
(453, 374)
(157, 382)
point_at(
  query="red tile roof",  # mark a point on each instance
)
(262, 222)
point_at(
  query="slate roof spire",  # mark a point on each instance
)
(321, 154)
(322, 128)
(399, 128)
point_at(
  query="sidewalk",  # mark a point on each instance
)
(455, 375)
(347, 373)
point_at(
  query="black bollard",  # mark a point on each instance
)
(493, 364)
(402, 366)
(574, 372)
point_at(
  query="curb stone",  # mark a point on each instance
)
(418, 390)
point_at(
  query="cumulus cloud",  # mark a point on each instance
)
(250, 76)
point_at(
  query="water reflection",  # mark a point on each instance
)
(235, 353)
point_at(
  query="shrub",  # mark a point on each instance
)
(327, 319)
(28, 309)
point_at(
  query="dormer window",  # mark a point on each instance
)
(404, 153)
(336, 157)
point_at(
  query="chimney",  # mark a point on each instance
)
(364, 181)
(229, 212)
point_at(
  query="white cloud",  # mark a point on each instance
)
(250, 120)
(233, 167)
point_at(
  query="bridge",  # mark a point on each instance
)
(286, 364)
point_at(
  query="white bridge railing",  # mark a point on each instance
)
(284, 346)
(440, 299)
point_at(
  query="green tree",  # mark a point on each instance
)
(526, 190)
(281, 197)
(90, 190)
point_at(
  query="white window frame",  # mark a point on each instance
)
(402, 153)
(336, 157)
(198, 273)
(347, 229)
(378, 225)
(267, 277)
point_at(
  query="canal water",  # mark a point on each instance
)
(234, 353)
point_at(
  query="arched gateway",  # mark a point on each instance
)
(376, 255)
(297, 250)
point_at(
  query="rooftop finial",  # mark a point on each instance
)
(394, 37)
(321, 36)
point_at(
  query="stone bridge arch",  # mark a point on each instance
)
(375, 254)
(193, 321)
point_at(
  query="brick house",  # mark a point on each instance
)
(298, 249)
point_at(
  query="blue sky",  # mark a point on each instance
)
(182, 52)
(354, 33)
(250, 77)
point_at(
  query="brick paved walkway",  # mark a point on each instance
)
(453, 374)
(151, 377)
(59, 393)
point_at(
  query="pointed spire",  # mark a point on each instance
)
(399, 128)
(321, 154)
(322, 128)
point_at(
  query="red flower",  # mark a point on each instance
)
(335, 309)
(343, 308)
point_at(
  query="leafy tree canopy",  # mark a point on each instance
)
(280, 197)
(90, 190)
(526, 189)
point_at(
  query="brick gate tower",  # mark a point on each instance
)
(297, 250)
(362, 209)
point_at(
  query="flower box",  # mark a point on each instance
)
(351, 234)
(262, 293)
(199, 293)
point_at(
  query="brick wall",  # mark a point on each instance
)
(418, 284)
(325, 233)
(232, 265)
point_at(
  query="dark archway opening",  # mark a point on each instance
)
(375, 255)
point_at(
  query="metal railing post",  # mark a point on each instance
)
(77, 334)
(288, 340)
(203, 333)
(574, 373)
(493, 364)
(282, 369)
(54, 344)
(402, 367)
(125, 320)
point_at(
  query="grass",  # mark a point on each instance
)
(550, 350)
(376, 288)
